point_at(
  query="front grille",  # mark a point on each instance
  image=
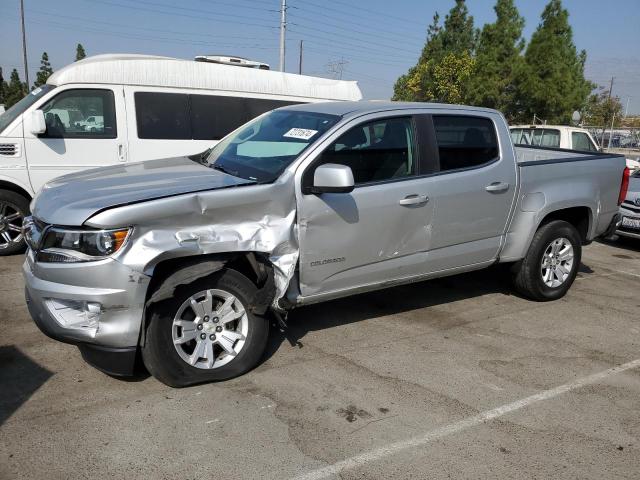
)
(629, 205)
(9, 149)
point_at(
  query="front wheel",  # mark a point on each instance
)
(551, 264)
(205, 332)
(13, 208)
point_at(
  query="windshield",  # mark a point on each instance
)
(16, 110)
(264, 147)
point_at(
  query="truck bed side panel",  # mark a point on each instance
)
(552, 180)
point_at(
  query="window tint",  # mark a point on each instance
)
(80, 114)
(177, 116)
(163, 116)
(581, 141)
(376, 151)
(465, 142)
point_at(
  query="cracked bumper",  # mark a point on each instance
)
(96, 305)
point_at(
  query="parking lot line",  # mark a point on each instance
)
(379, 453)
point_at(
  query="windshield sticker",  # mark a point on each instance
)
(36, 91)
(301, 133)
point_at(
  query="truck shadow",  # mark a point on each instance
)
(622, 243)
(20, 377)
(391, 301)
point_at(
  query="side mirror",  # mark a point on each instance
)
(333, 178)
(37, 124)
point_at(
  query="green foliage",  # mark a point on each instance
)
(16, 89)
(550, 82)
(80, 53)
(547, 80)
(3, 88)
(44, 72)
(601, 109)
(446, 48)
(498, 56)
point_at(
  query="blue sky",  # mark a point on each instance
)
(378, 40)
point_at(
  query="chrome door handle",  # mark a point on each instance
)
(497, 187)
(414, 200)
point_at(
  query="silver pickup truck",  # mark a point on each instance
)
(187, 260)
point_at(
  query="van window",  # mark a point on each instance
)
(179, 116)
(163, 116)
(465, 142)
(68, 114)
(581, 141)
(376, 151)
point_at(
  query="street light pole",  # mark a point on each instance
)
(24, 44)
(283, 28)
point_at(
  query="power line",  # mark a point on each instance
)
(368, 43)
(349, 26)
(364, 48)
(178, 14)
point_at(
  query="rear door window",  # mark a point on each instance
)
(581, 141)
(465, 141)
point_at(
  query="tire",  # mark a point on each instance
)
(173, 364)
(12, 204)
(530, 276)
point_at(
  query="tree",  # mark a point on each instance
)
(447, 45)
(498, 56)
(3, 88)
(15, 89)
(550, 82)
(80, 53)
(44, 72)
(601, 109)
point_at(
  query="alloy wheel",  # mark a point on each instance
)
(10, 225)
(557, 262)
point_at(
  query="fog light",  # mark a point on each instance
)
(75, 314)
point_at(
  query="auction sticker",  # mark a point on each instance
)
(301, 133)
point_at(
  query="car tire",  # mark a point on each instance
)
(551, 263)
(182, 364)
(12, 204)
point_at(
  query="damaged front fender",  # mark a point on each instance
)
(247, 218)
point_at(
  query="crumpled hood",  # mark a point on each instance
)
(72, 199)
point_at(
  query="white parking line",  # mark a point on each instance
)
(377, 454)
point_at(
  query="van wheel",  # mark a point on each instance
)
(205, 332)
(13, 208)
(551, 264)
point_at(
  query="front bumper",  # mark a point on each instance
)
(98, 306)
(626, 231)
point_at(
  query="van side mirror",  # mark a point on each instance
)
(333, 178)
(37, 124)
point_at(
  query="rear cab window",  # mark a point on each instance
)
(539, 137)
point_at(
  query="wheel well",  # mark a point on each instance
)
(12, 187)
(579, 217)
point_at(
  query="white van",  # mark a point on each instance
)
(111, 109)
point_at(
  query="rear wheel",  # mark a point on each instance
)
(551, 264)
(206, 332)
(13, 209)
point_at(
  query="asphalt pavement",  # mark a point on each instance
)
(451, 378)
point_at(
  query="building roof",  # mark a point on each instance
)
(147, 70)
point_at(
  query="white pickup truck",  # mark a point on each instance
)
(553, 136)
(182, 259)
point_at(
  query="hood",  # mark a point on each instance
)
(72, 199)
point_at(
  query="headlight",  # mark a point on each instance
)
(70, 246)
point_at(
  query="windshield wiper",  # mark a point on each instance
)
(225, 170)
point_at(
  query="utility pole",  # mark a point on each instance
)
(24, 45)
(283, 30)
(300, 62)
